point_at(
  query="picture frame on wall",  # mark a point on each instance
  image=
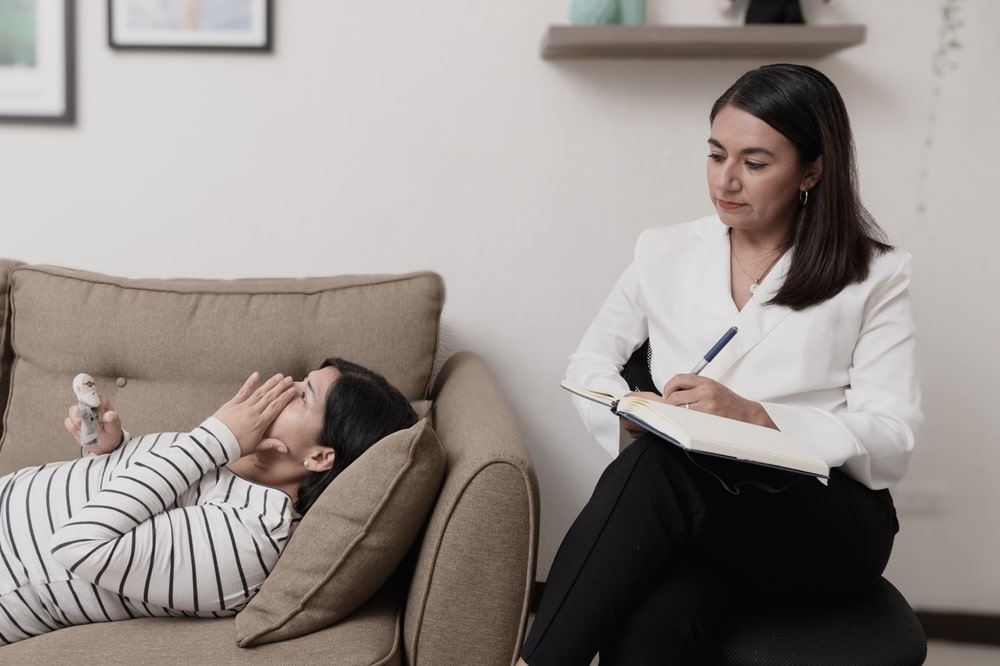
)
(37, 81)
(191, 25)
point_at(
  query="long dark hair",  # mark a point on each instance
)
(835, 238)
(360, 408)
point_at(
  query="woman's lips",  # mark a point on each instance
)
(729, 205)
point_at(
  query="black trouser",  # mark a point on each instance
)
(670, 542)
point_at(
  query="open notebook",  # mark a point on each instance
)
(711, 434)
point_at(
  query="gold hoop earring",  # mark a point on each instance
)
(803, 197)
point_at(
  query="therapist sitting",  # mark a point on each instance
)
(671, 542)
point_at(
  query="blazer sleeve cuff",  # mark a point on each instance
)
(817, 430)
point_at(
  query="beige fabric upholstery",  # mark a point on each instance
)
(181, 347)
(351, 540)
(476, 613)
(369, 637)
(6, 355)
(173, 350)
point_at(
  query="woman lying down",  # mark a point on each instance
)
(175, 524)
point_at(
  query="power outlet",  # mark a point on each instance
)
(919, 498)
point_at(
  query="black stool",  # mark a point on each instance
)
(878, 629)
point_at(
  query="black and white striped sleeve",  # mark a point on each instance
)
(131, 537)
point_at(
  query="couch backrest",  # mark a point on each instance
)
(169, 352)
(6, 355)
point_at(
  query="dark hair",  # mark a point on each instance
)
(361, 408)
(835, 237)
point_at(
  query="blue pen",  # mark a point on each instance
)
(716, 348)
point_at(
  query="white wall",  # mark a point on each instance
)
(399, 136)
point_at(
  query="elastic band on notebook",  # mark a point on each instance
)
(736, 487)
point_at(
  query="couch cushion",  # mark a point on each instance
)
(351, 540)
(169, 352)
(369, 637)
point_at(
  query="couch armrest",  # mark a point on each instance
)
(469, 598)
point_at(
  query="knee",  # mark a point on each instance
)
(655, 473)
(649, 455)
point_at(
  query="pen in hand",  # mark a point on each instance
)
(716, 348)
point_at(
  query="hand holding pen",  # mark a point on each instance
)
(680, 389)
(689, 389)
(707, 395)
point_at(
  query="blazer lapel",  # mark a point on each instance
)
(708, 269)
(755, 321)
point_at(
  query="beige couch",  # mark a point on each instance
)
(168, 352)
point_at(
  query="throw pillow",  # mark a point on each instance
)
(351, 540)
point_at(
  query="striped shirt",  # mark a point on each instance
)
(159, 527)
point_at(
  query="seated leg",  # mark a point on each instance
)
(679, 621)
(644, 509)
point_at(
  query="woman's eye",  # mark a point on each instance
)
(715, 157)
(754, 166)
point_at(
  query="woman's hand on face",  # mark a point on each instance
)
(109, 436)
(708, 395)
(252, 410)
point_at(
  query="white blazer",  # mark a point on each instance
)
(839, 376)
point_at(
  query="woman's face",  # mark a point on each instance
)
(754, 174)
(290, 448)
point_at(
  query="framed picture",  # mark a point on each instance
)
(36, 61)
(204, 25)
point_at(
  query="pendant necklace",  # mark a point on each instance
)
(755, 280)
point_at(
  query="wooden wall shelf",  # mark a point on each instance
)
(698, 41)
